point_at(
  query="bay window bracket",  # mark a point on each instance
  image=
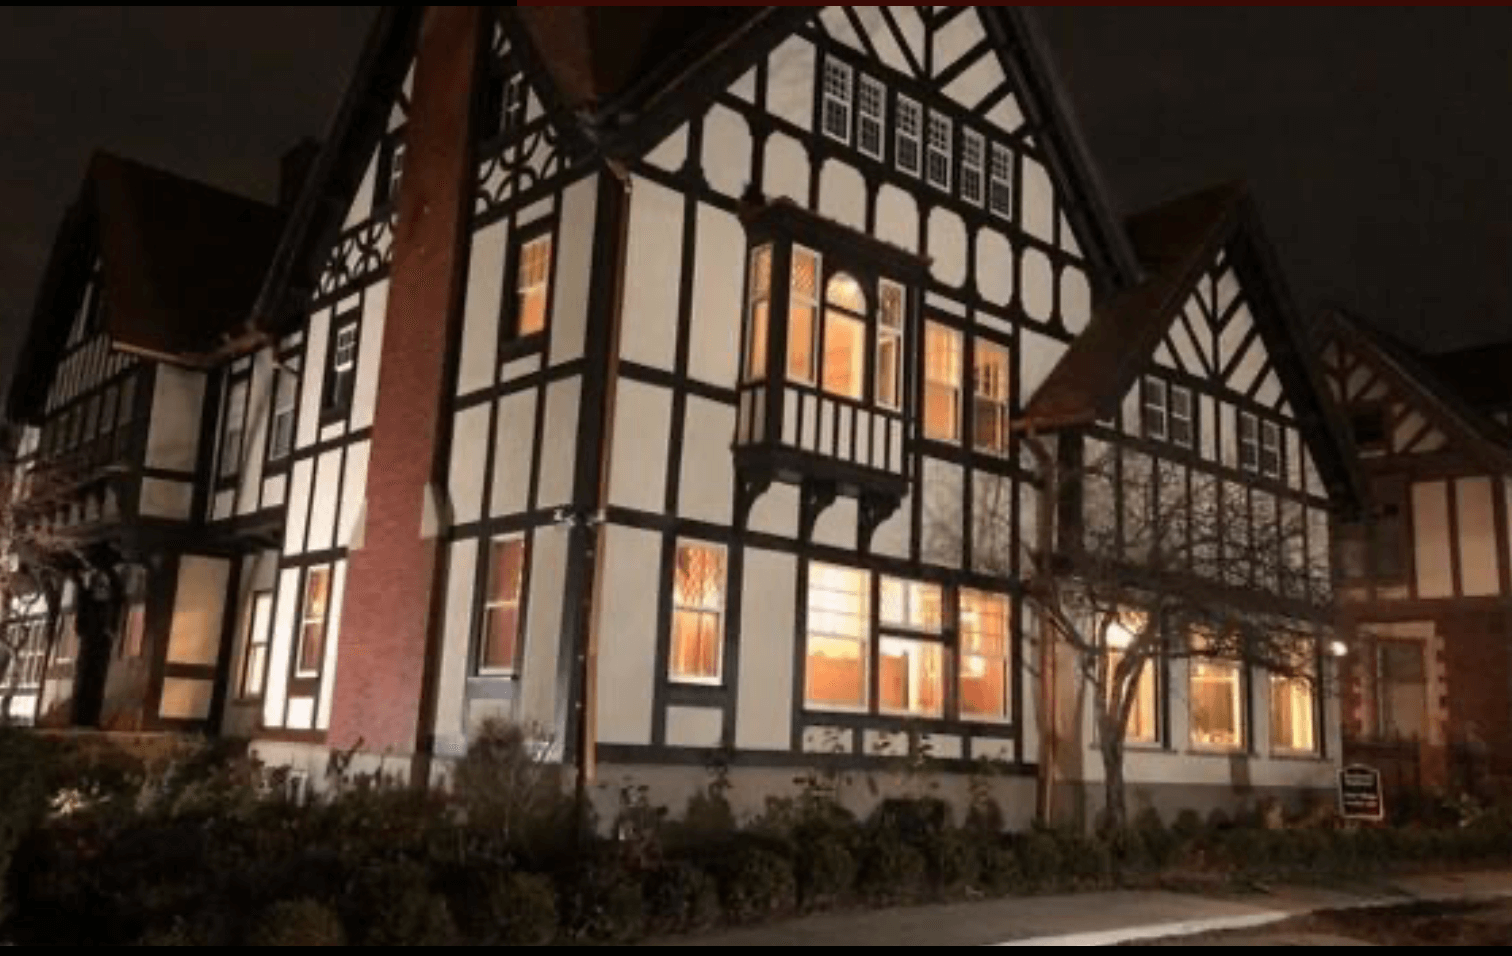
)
(875, 508)
(750, 485)
(818, 494)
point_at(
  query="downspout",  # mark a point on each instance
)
(587, 724)
(1049, 706)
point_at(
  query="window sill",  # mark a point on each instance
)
(494, 674)
(1297, 756)
(523, 345)
(695, 681)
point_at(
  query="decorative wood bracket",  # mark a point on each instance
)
(875, 508)
(750, 486)
(818, 494)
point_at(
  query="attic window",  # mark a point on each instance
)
(973, 149)
(940, 135)
(838, 89)
(1167, 412)
(1369, 428)
(512, 104)
(910, 128)
(871, 117)
(1000, 195)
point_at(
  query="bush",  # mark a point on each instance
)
(1188, 825)
(507, 908)
(601, 902)
(1039, 859)
(1086, 861)
(680, 897)
(505, 785)
(756, 883)
(298, 923)
(393, 905)
(952, 861)
(891, 871)
(826, 873)
(998, 868)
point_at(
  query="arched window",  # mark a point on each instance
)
(844, 337)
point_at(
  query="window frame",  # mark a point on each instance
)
(761, 267)
(306, 620)
(336, 400)
(1240, 710)
(956, 336)
(842, 100)
(1003, 661)
(1000, 182)
(939, 150)
(719, 613)
(488, 604)
(871, 92)
(289, 368)
(1309, 685)
(389, 173)
(512, 337)
(1002, 405)
(973, 170)
(254, 666)
(228, 459)
(866, 597)
(934, 639)
(908, 112)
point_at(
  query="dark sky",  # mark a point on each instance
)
(1376, 141)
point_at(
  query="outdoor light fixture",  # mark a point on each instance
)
(1338, 649)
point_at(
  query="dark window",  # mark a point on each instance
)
(341, 372)
(390, 172)
(1401, 690)
(285, 398)
(1369, 429)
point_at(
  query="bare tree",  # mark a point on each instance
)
(39, 542)
(1149, 562)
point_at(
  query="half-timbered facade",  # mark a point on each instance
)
(669, 402)
(1426, 572)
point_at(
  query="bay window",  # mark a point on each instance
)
(942, 383)
(803, 311)
(698, 597)
(890, 314)
(758, 308)
(844, 337)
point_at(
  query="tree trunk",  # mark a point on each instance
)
(1115, 811)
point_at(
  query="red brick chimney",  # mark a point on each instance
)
(386, 654)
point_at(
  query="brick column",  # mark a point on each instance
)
(384, 663)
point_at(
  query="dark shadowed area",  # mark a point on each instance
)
(212, 93)
(1375, 140)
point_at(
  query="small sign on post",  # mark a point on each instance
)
(1360, 794)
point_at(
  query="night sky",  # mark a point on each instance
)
(1376, 141)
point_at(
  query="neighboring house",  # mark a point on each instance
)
(1426, 576)
(701, 332)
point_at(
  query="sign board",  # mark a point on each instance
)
(1360, 793)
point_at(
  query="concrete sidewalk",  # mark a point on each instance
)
(1093, 919)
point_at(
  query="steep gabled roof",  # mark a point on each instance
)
(317, 215)
(1176, 242)
(180, 261)
(623, 77)
(1412, 373)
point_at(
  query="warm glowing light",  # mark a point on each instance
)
(1338, 649)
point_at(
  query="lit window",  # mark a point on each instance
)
(236, 423)
(940, 134)
(1217, 689)
(501, 606)
(942, 383)
(255, 660)
(532, 276)
(760, 307)
(1000, 190)
(910, 129)
(837, 100)
(844, 337)
(973, 154)
(803, 312)
(1143, 726)
(911, 670)
(839, 627)
(984, 656)
(890, 345)
(698, 593)
(1293, 714)
(285, 394)
(871, 117)
(990, 398)
(343, 373)
(312, 622)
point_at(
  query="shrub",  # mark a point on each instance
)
(1086, 861)
(999, 868)
(891, 871)
(505, 785)
(601, 901)
(1218, 820)
(1188, 825)
(302, 922)
(680, 897)
(1039, 859)
(393, 905)
(826, 872)
(952, 861)
(756, 883)
(504, 907)
(1160, 844)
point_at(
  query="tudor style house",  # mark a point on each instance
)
(1426, 583)
(648, 378)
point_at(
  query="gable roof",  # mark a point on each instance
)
(624, 77)
(1176, 242)
(1413, 373)
(150, 230)
(361, 121)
